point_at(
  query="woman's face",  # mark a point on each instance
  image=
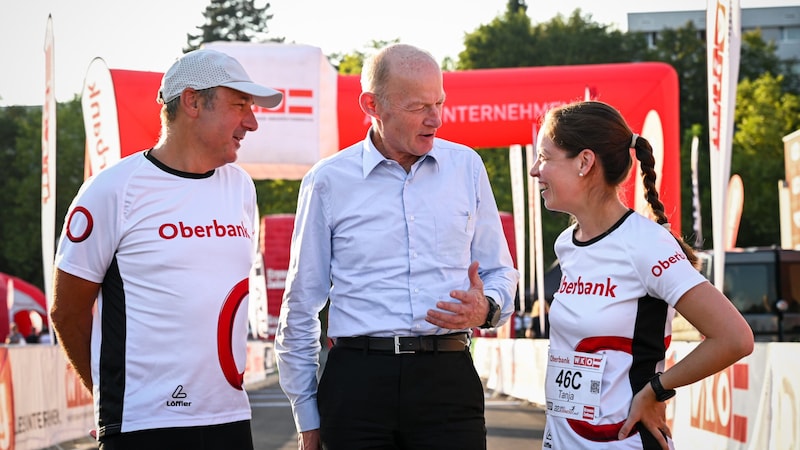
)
(558, 176)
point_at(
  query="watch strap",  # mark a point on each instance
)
(493, 316)
(662, 394)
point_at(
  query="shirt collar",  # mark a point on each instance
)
(371, 157)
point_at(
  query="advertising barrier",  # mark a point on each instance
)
(43, 403)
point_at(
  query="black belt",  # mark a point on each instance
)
(456, 342)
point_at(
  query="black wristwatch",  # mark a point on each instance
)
(493, 317)
(662, 394)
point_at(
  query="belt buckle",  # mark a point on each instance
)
(397, 350)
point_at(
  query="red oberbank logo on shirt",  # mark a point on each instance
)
(663, 265)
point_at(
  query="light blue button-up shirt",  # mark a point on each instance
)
(384, 245)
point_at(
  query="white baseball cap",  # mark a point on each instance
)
(204, 69)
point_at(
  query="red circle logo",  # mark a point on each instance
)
(78, 213)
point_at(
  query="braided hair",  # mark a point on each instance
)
(600, 127)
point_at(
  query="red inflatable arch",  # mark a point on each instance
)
(488, 108)
(498, 107)
(484, 108)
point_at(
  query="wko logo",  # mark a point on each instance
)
(712, 403)
(295, 101)
(587, 361)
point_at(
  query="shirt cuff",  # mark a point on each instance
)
(306, 416)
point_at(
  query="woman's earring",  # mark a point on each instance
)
(580, 174)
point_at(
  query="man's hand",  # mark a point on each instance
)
(469, 311)
(309, 440)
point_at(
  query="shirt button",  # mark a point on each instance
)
(416, 290)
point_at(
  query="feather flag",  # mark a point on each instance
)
(723, 39)
(49, 165)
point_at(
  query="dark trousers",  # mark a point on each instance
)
(228, 436)
(418, 401)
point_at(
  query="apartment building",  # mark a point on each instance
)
(778, 24)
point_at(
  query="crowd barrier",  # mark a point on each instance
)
(753, 405)
(43, 403)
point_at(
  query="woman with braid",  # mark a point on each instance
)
(624, 276)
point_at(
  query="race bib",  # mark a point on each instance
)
(572, 385)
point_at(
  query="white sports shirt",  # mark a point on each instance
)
(173, 252)
(616, 298)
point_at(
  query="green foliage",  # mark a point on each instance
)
(685, 50)
(351, 63)
(760, 57)
(764, 114)
(20, 184)
(504, 42)
(510, 40)
(20, 191)
(277, 196)
(232, 20)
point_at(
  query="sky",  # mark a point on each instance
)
(148, 35)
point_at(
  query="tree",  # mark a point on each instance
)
(764, 114)
(760, 57)
(20, 191)
(20, 185)
(351, 63)
(511, 41)
(232, 20)
(685, 50)
(504, 42)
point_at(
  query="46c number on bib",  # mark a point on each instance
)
(568, 379)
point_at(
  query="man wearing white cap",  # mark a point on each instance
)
(153, 264)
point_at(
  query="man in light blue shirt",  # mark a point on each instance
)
(401, 232)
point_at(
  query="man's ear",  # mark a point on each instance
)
(369, 104)
(190, 102)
